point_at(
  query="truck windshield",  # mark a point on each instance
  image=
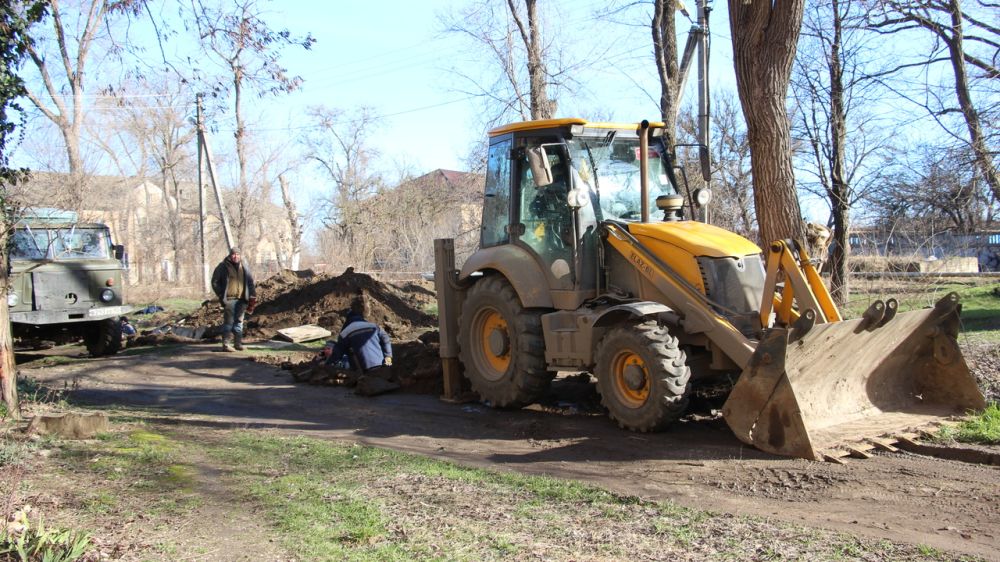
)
(615, 163)
(60, 244)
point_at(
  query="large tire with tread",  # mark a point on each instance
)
(104, 338)
(642, 376)
(501, 345)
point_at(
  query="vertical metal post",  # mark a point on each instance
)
(644, 170)
(703, 133)
(447, 298)
(206, 285)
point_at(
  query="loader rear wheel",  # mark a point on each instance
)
(501, 345)
(642, 376)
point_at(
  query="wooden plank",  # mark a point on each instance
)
(304, 333)
(834, 459)
(883, 445)
(860, 453)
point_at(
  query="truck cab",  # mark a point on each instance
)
(66, 281)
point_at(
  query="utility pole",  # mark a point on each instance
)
(206, 284)
(206, 151)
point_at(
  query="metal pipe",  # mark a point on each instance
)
(644, 170)
(703, 97)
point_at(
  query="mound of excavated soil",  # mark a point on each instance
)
(296, 298)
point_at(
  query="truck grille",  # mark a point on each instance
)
(58, 291)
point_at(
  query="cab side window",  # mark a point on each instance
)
(496, 209)
(545, 212)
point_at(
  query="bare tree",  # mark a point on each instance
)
(839, 138)
(62, 70)
(733, 208)
(947, 22)
(765, 35)
(932, 190)
(525, 67)
(340, 147)
(250, 51)
(295, 227)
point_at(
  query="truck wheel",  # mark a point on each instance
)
(501, 345)
(104, 338)
(642, 376)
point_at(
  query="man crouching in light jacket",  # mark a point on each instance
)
(365, 345)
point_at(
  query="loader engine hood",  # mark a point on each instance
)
(696, 238)
(724, 266)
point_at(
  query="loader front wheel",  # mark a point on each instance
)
(642, 376)
(501, 345)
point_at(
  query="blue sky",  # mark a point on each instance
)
(393, 57)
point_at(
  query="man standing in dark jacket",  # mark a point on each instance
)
(367, 345)
(233, 285)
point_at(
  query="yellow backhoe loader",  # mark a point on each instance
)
(589, 261)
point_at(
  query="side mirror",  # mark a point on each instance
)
(541, 170)
(119, 251)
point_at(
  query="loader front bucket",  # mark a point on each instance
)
(810, 389)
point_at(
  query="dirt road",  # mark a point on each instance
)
(947, 505)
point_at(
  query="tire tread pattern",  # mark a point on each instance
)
(671, 375)
(528, 379)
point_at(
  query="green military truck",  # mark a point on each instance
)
(66, 282)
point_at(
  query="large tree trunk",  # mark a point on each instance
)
(665, 53)
(542, 107)
(764, 41)
(8, 374)
(956, 52)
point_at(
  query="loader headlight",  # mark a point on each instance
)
(12, 299)
(702, 196)
(107, 295)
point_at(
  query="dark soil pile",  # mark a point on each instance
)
(295, 298)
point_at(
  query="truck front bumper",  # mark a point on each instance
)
(44, 317)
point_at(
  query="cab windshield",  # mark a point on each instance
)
(610, 167)
(60, 244)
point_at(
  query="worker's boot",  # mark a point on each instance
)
(238, 338)
(227, 344)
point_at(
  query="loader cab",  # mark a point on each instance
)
(529, 186)
(551, 183)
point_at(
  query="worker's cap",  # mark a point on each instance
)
(234, 251)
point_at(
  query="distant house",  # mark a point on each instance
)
(402, 223)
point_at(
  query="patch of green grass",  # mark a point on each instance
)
(146, 460)
(929, 551)
(179, 305)
(14, 452)
(982, 428)
(101, 502)
(162, 349)
(980, 305)
(32, 540)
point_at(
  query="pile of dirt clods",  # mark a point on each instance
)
(295, 298)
